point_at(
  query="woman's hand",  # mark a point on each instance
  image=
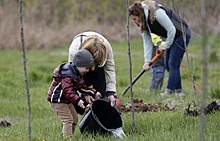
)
(146, 66)
(89, 99)
(81, 104)
(161, 48)
(98, 95)
(111, 100)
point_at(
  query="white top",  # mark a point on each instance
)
(109, 66)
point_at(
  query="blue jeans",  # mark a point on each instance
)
(173, 58)
(157, 77)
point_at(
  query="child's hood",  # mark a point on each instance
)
(65, 70)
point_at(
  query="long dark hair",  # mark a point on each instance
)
(136, 9)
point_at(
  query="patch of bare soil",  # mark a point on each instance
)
(140, 106)
(190, 110)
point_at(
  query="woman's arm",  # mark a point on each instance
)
(165, 22)
(109, 69)
(148, 46)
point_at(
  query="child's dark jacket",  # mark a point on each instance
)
(66, 84)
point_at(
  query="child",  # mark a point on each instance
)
(158, 68)
(63, 92)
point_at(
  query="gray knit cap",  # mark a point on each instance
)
(83, 58)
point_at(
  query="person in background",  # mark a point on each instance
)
(103, 77)
(152, 17)
(63, 93)
(158, 68)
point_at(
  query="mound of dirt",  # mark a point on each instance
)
(140, 106)
(191, 110)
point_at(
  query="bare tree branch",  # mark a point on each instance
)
(205, 72)
(25, 72)
(130, 70)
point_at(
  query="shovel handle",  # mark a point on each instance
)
(158, 54)
(135, 79)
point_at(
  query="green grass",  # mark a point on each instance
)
(150, 126)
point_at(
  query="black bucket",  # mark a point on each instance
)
(101, 118)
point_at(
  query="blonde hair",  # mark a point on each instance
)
(152, 9)
(137, 9)
(98, 49)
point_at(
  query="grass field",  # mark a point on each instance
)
(150, 126)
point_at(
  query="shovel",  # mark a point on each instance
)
(158, 54)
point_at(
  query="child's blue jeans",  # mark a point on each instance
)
(157, 77)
